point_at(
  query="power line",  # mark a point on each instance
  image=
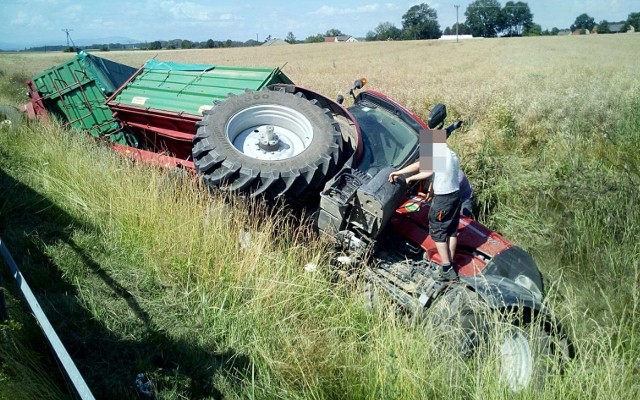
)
(68, 36)
(457, 23)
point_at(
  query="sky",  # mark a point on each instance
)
(41, 22)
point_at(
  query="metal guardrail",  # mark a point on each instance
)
(61, 352)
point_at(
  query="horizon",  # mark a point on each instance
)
(36, 23)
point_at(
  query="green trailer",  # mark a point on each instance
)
(76, 91)
(163, 101)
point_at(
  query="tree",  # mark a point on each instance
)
(555, 31)
(155, 45)
(210, 44)
(634, 20)
(532, 30)
(421, 22)
(334, 32)
(447, 31)
(462, 29)
(603, 27)
(386, 31)
(186, 44)
(290, 38)
(583, 21)
(485, 18)
(319, 38)
(516, 17)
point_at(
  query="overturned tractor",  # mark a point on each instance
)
(253, 131)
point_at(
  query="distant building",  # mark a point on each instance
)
(344, 38)
(453, 37)
(614, 27)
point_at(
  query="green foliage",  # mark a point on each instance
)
(186, 44)
(583, 21)
(517, 18)
(385, 31)
(421, 22)
(485, 18)
(291, 38)
(634, 20)
(603, 27)
(155, 45)
(319, 38)
(532, 30)
(12, 85)
(333, 32)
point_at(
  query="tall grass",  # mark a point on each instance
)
(149, 273)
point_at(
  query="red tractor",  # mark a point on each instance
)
(282, 142)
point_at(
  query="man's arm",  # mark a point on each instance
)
(419, 176)
(409, 169)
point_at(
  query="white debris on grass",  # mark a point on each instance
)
(310, 267)
(344, 260)
(245, 240)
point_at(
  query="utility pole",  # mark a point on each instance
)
(68, 37)
(457, 6)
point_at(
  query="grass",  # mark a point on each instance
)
(140, 273)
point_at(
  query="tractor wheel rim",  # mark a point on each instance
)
(269, 132)
(516, 360)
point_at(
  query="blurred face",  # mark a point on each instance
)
(433, 150)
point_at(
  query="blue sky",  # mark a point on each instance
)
(30, 22)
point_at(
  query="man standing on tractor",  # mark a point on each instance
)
(437, 159)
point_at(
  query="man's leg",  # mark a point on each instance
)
(453, 243)
(443, 252)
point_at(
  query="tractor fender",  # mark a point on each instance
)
(506, 296)
(502, 293)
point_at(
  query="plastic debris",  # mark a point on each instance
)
(310, 267)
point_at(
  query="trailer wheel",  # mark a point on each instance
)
(267, 143)
(10, 118)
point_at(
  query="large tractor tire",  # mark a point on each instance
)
(268, 143)
(523, 352)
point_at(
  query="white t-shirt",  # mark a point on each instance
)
(445, 171)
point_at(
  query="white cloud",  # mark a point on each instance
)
(331, 11)
(186, 10)
(25, 20)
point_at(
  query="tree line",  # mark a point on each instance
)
(483, 18)
(486, 18)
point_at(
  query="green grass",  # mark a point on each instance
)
(142, 273)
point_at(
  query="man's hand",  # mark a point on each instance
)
(393, 176)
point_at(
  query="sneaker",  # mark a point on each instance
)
(449, 274)
(435, 270)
